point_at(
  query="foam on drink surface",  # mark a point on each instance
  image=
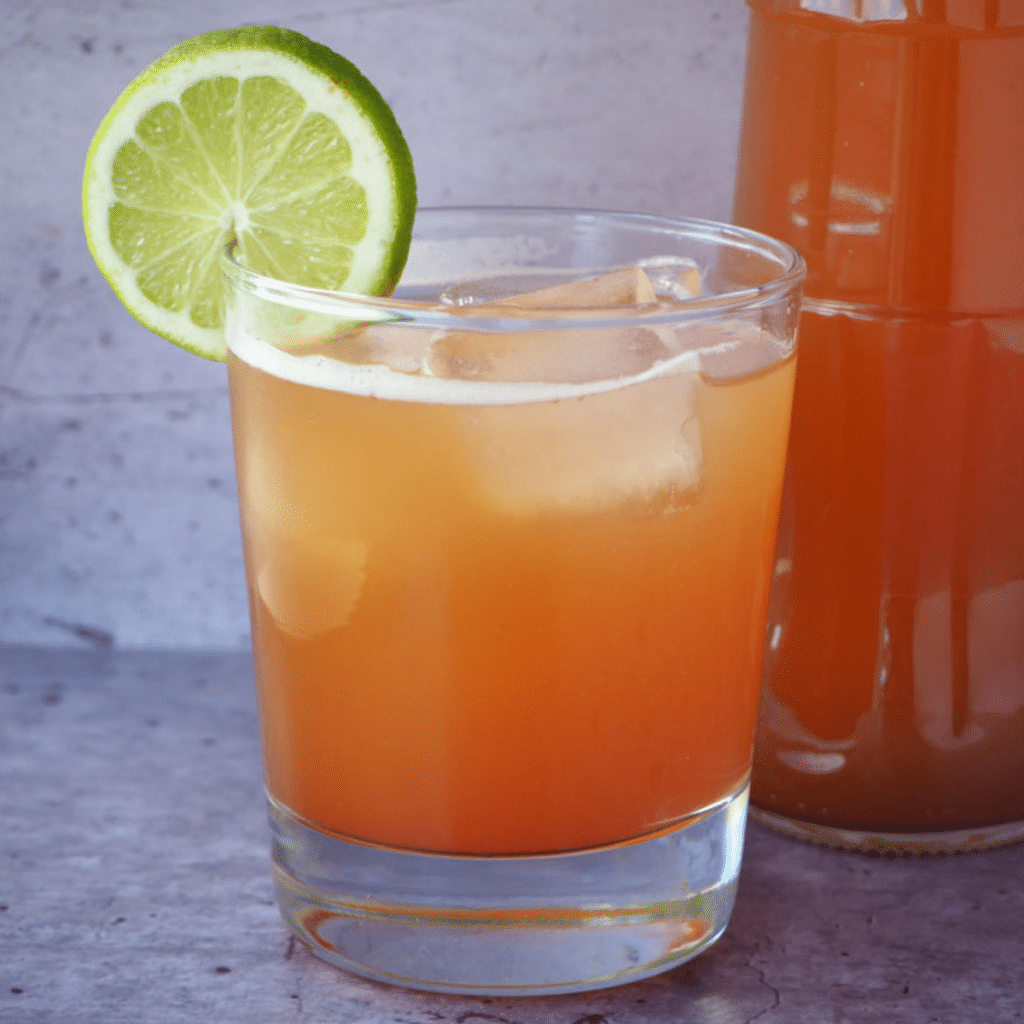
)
(485, 363)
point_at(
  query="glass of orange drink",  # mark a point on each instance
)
(509, 535)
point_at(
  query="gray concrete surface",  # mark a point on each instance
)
(135, 889)
(117, 510)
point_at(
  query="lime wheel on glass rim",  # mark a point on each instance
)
(255, 135)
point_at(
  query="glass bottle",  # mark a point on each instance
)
(885, 141)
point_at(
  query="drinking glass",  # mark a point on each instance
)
(508, 540)
(875, 141)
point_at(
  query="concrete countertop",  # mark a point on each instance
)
(135, 887)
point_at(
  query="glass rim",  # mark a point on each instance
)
(792, 272)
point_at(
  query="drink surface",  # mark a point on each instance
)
(522, 624)
(894, 682)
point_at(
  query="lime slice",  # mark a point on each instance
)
(254, 134)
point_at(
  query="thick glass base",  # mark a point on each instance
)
(892, 844)
(524, 925)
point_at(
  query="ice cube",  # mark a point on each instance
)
(570, 356)
(306, 565)
(673, 277)
(576, 355)
(401, 348)
(626, 286)
(310, 585)
(629, 286)
(641, 443)
(732, 349)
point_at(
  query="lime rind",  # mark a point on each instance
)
(255, 133)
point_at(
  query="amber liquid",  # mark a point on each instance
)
(447, 661)
(891, 155)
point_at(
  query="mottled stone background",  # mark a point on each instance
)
(117, 518)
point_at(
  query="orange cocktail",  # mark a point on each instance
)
(509, 537)
(462, 647)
